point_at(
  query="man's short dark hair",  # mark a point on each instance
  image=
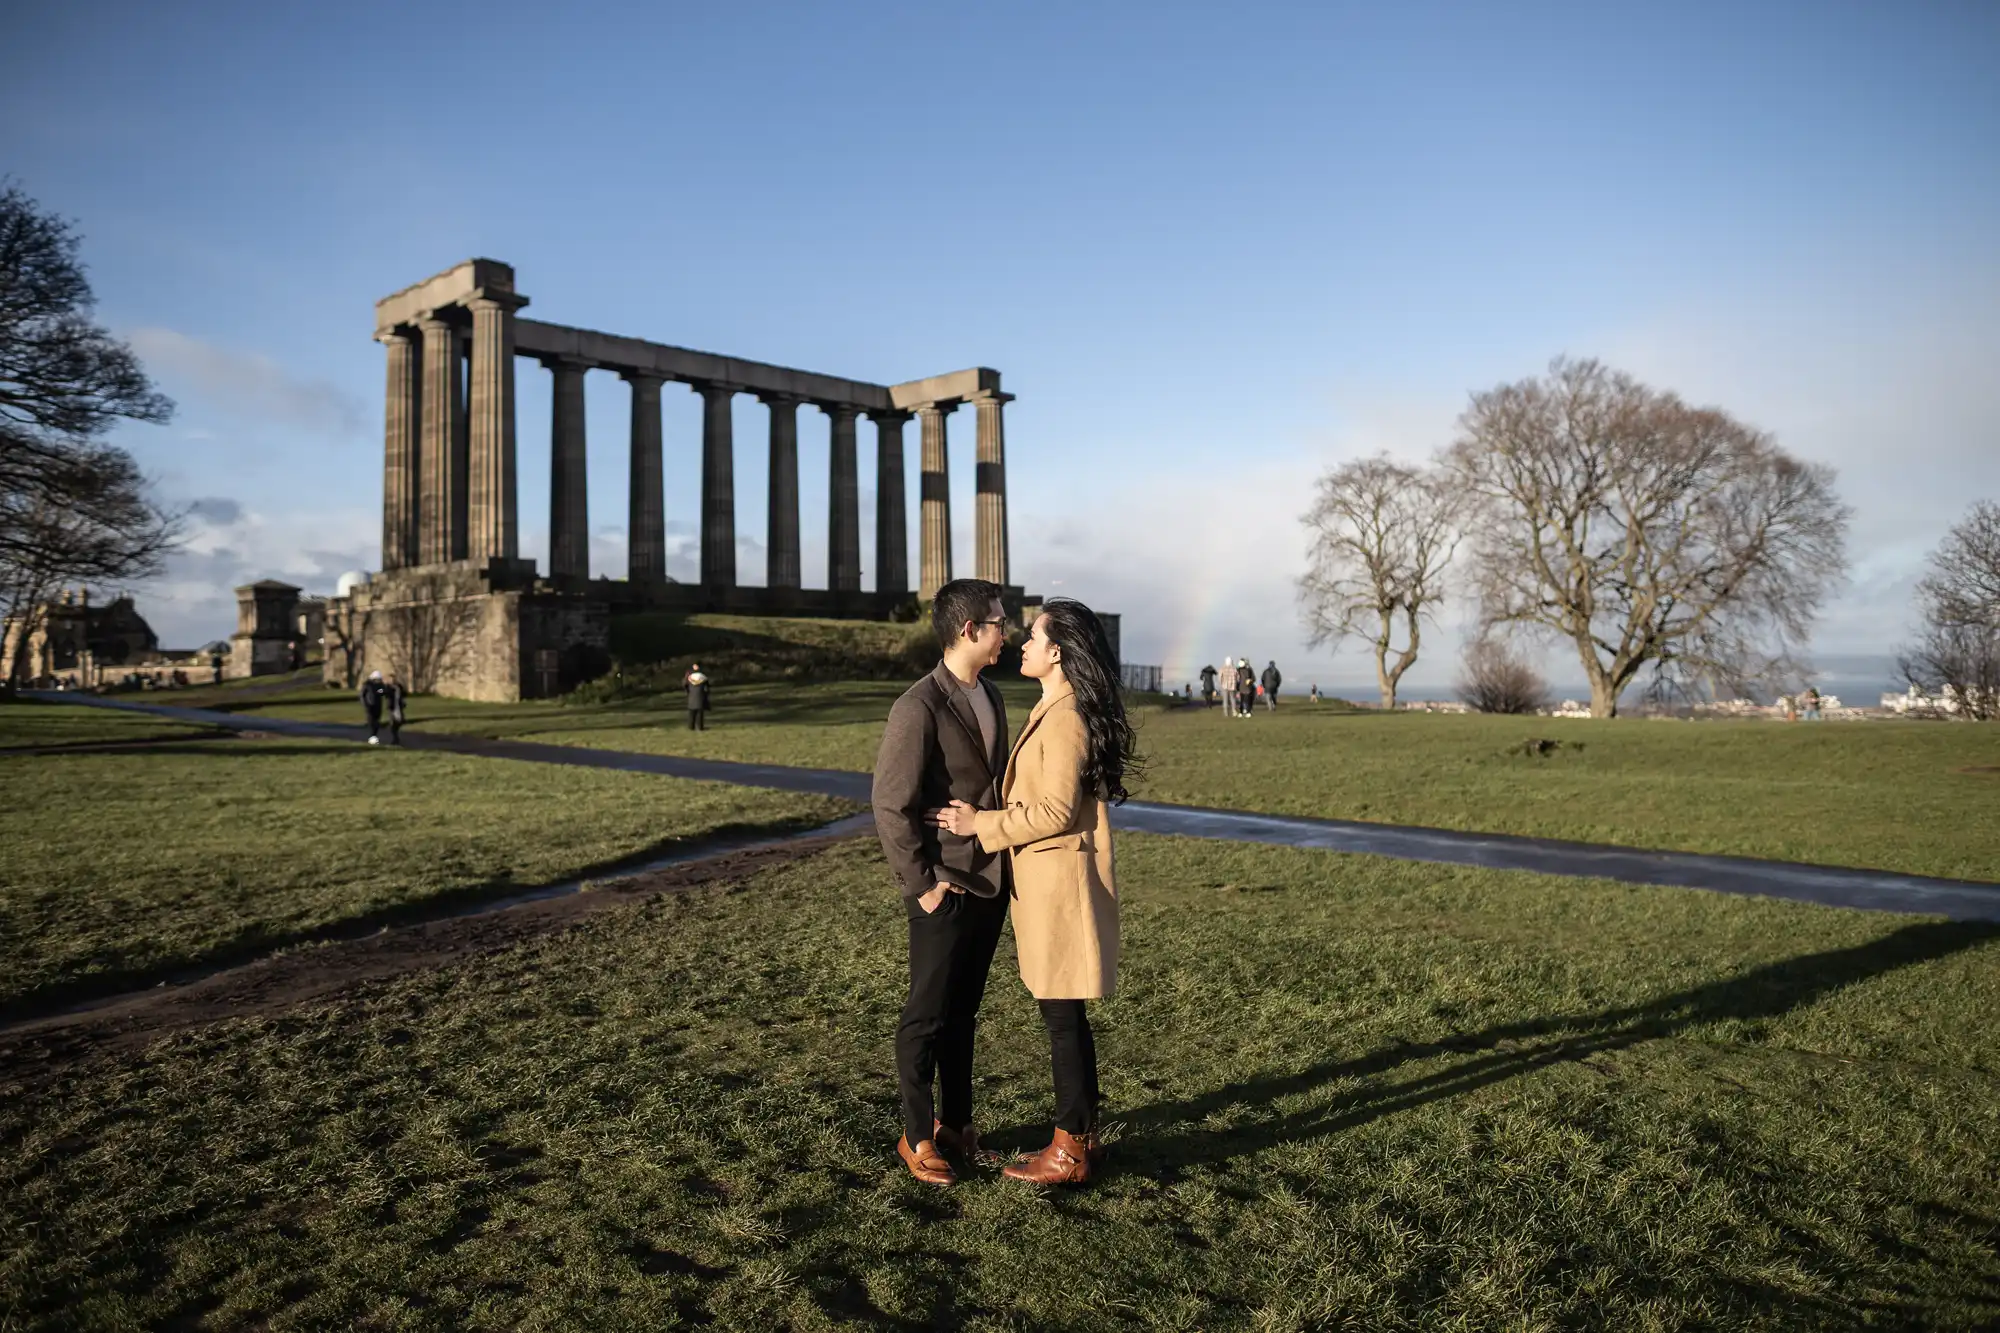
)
(959, 601)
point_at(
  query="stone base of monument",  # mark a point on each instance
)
(484, 630)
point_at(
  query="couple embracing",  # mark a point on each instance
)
(973, 830)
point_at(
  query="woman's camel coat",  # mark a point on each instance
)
(1059, 840)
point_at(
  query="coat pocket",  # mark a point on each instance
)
(1061, 842)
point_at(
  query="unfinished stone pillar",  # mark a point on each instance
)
(569, 504)
(718, 486)
(493, 530)
(990, 513)
(843, 520)
(782, 528)
(892, 533)
(646, 525)
(441, 520)
(934, 492)
(401, 424)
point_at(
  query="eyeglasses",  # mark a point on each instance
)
(1002, 622)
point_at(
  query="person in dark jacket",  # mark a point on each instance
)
(696, 681)
(946, 740)
(1208, 686)
(371, 704)
(1246, 688)
(1271, 682)
(392, 707)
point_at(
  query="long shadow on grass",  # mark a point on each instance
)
(1167, 1138)
(1512, 1049)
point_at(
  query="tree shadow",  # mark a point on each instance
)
(1510, 1050)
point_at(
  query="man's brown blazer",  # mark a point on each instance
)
(932, 755)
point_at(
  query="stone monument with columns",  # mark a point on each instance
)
(456, 609)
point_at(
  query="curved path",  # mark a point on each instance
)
(1835, 886)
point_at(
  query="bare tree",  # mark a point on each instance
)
(1645, 532)
(1493, 678)
(72, 508)
(427, 638)
(1383, 534)
(1956, 656)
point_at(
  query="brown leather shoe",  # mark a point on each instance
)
(964, 1144)
(925, 1162)
(1066, 1161)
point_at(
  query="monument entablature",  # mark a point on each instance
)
(450, 503)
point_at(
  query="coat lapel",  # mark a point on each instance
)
(1041, 708)
(954, 695)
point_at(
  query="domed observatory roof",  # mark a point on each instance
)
(348, 582)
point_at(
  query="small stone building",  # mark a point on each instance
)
(68, 634)
(267, 640)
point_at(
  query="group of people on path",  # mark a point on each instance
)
(1241, 686)
(974, 831)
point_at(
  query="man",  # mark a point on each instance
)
(1226, 682)
(1246, 687)
(1271, 682)
(1208, 686)
(946, 741)
(371, 704)
(392, 704)
(697, 697)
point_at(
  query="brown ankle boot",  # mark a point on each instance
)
(1066, 1161)
(925, 1162)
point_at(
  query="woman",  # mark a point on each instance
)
(1069, 764)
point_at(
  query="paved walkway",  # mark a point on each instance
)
(1836, 886)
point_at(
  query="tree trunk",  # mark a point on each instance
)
(1386, 681)
(1603, 695)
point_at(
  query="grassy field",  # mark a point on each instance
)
(116, 865)
(1909, 796)
(26, 725)
(1346, 1093)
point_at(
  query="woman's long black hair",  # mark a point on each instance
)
(1091, 668)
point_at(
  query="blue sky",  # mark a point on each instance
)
(1213, 249)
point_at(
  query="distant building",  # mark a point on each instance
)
(68, 635)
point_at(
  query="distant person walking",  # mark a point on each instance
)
(1226, 682)
(1271, 682)
(392, 706)
(372, 695)
(1313, 694)
(1812, 703)
(696, 681)
(1246, 687)
(1208, 686)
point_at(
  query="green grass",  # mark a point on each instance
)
(114, 866)
(1909, 796)
(1348, 1093)
(24, 725)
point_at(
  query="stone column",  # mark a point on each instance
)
(892, 533)
(494, 525)
(781, 532)
(402, 421)
(718, 487)
(843, 490)
(934, 492)
(646, 524)
(990, 513)
(442, 485)
(569, 505)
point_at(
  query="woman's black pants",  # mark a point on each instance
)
(1073, 1056)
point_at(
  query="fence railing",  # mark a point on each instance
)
(1138, 677)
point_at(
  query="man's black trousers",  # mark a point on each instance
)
(951, 950)
(697, 719)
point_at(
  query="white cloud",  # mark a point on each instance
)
(248, 384)
(232, 543)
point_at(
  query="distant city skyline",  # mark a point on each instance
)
(1212, 253)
